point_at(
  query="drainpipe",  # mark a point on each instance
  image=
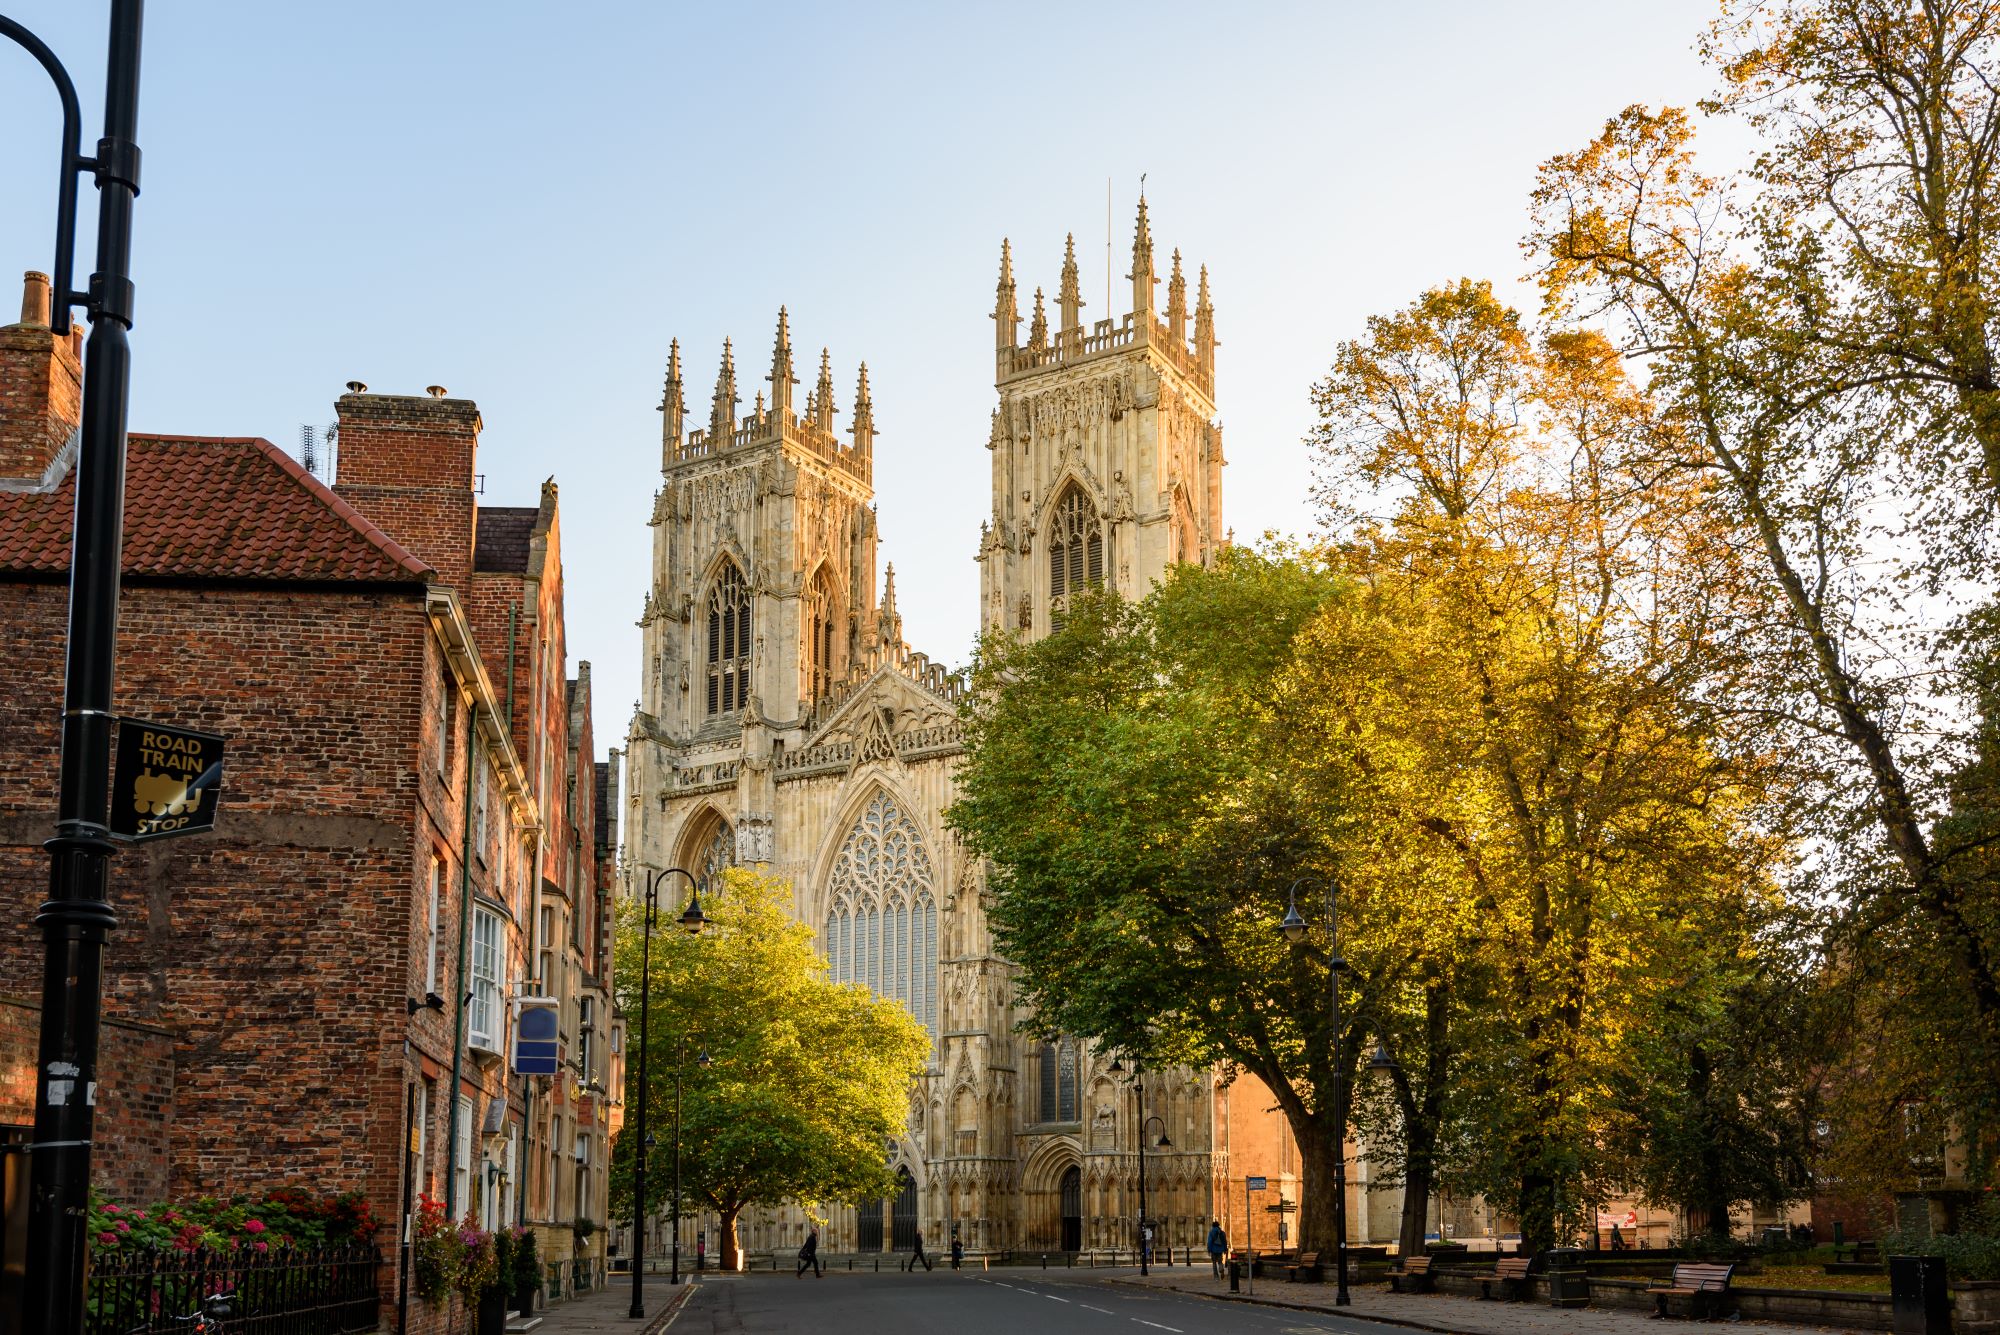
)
(464, 952)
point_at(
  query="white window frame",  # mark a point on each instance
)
(483, 1024)
(436, 915)
(461, 1168)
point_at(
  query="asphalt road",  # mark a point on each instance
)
(1001, 1302)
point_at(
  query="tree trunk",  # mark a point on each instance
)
(1419, 1174)
(1316, 1210)
(732, 1252)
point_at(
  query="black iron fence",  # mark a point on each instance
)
(285, 1291)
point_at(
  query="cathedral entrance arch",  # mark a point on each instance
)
(868, 1226)
(903, 1220)
(1072, 1210)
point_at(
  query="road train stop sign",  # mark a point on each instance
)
(165, 781)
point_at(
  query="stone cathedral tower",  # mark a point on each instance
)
(1107, 459)
(785, 723)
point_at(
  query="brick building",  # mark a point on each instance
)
(321, 992)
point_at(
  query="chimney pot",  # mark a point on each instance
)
(35, 299)
(435, 391)
(356, 387)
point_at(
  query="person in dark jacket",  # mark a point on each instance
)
(918, 1254)
(957, 1249)
(809, 1256)
(1218, 1246)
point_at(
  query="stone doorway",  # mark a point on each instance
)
(1072, 1210)
(903, 1218)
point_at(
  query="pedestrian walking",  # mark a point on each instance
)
(957, 1249)
(1218, 1246)
(918, 1254)
(809, 1256)
(1146, 1243)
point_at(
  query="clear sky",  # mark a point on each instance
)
(524, 202)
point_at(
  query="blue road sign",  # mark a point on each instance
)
(535, 1041)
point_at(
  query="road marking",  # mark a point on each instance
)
(1102, 1310)
(1157, 1326)
(1053, 1298)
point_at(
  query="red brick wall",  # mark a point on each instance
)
(135, 1099)
(279, 951)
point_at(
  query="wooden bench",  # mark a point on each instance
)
(1306, 1269)
(1507, 1270)
(1416, 1269)
(1702, 1284)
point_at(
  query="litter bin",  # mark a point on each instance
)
(1569, 1282)
(1919, 1302)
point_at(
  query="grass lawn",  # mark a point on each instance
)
(1811, 1277)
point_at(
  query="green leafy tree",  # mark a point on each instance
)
(1125, 777)
(808, 1080)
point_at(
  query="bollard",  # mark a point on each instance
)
(850, 1265)
(1235, 1275)
(1069, 1260)
(878, 1265)
(1045, 1260)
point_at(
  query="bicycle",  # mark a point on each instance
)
(205, 1319)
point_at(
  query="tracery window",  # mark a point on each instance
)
(728, 642)
(821, 614)
(881, 922)
(1076, 553)
(1059, 1080)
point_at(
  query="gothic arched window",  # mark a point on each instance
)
(1076, 552)
(728, 642)
(881, 920)
(822, 613)
(1059, 1080)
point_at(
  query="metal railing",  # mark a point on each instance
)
(285, 1291)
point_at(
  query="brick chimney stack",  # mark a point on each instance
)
(407, 462)
(41, 388)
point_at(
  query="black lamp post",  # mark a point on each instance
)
(693, 921)
(680, 1064)
(1145, 1123)
(77, 915)
(1294, 928)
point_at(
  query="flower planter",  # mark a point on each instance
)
(492, 1319)
(524, 1300)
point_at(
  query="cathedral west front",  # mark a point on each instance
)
(785, 722)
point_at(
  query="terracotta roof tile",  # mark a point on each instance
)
(209, 508)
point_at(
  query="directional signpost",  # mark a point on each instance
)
(1250, 1184)
(166, 781)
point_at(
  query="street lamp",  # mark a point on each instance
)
(77, 916)
(691, 918)
(1145, 1123)
(680, 1064)
(1294, 928)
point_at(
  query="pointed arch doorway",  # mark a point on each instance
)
(1072, 1210)
(903, 1215)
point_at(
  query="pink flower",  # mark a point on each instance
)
(253, 1226)
(260, 1246)
(109, 1239)
(113, 1209)
(124, 1227)
(139, 1215)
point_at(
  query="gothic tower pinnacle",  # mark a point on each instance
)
(864, 414)
(1204, 327)
(823, 393)
(1142, 264)
(1038, 328)
(1006, 314)
(1177, 301)
(1069, 296)
(722, 411)
(781, 376)
(673, 405)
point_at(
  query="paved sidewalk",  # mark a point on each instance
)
(606, 1312)
(1443, 1312)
